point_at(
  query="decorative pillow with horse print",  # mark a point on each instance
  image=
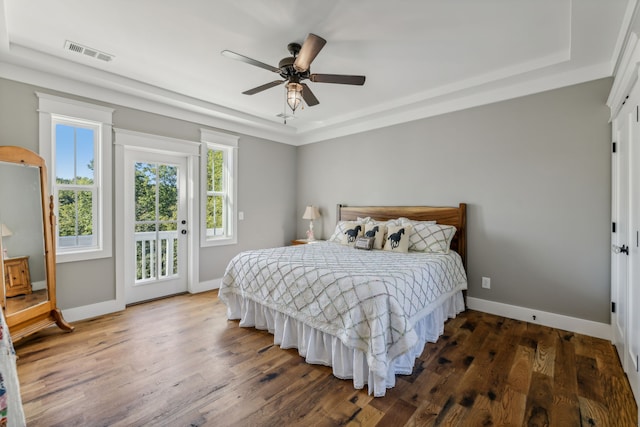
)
(351, 233)
(397, 239)
(341, 227)
(377, 230)
(432, 238)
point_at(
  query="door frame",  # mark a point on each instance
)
(131, 140)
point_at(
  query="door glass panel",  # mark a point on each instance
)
(145, 191)
(156, 221)
(168, 192)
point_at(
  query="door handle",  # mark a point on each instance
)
(620, 249)
(184, 232)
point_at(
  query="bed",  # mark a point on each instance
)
(366, 313)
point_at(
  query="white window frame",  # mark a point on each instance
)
(211, 140)
(53, 110)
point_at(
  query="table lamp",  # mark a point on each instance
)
(311, 213)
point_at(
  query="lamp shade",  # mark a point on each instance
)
(311, 212)
(5, 231)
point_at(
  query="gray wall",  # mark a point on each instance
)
(535, 172)
(266, 189)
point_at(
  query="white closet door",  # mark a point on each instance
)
(625, 238)
(632, 362)
(619, 230)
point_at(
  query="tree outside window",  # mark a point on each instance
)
(216, 193)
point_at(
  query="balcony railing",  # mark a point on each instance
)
(156, 256)
(147, 257)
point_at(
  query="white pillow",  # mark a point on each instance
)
(402, 220)
(433, 238)
(377, 230)
(397, 239)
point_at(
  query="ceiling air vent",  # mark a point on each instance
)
(93, 53)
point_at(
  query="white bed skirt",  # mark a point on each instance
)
(321, 348)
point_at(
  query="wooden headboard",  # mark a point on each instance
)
(456, 216)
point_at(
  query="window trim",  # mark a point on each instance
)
(229, 144)
(53, 109)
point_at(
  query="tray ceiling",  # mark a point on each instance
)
(420, 58)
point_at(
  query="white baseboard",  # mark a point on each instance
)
(92, 310)
(209, 285)
(558, 321)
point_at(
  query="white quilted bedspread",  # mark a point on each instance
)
(370, 300)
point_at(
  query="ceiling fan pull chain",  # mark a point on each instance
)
(284, 109)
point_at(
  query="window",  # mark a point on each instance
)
(75, 190)
(75, 141)
(218, 182)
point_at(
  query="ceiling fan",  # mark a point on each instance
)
(296, 68)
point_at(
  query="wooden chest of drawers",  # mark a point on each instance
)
(17, 279)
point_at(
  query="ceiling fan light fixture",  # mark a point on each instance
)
(295, 69)
(294, 95)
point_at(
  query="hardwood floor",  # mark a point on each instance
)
(179, 362)
(20, 302)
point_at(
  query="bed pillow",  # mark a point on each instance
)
(397, 239)
(402, 220)
(341, 226)
(432, 238)
(364, 220)
(377, 230)
(351, 233)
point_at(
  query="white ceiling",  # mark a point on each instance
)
(420, 57)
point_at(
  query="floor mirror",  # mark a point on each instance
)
(27, 245)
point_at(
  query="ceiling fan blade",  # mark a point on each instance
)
(248, 60)
(337, 78)
(310, 49)
(308, 96)
(263, 87)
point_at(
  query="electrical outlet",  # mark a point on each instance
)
(486, 282)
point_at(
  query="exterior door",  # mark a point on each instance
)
(155, 250)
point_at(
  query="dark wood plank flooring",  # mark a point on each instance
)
(179, 362)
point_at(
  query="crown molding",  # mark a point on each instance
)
(27, 66)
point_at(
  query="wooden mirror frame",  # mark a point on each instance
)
(32, 319)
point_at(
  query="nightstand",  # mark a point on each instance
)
(304, 241)
(17, 279)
